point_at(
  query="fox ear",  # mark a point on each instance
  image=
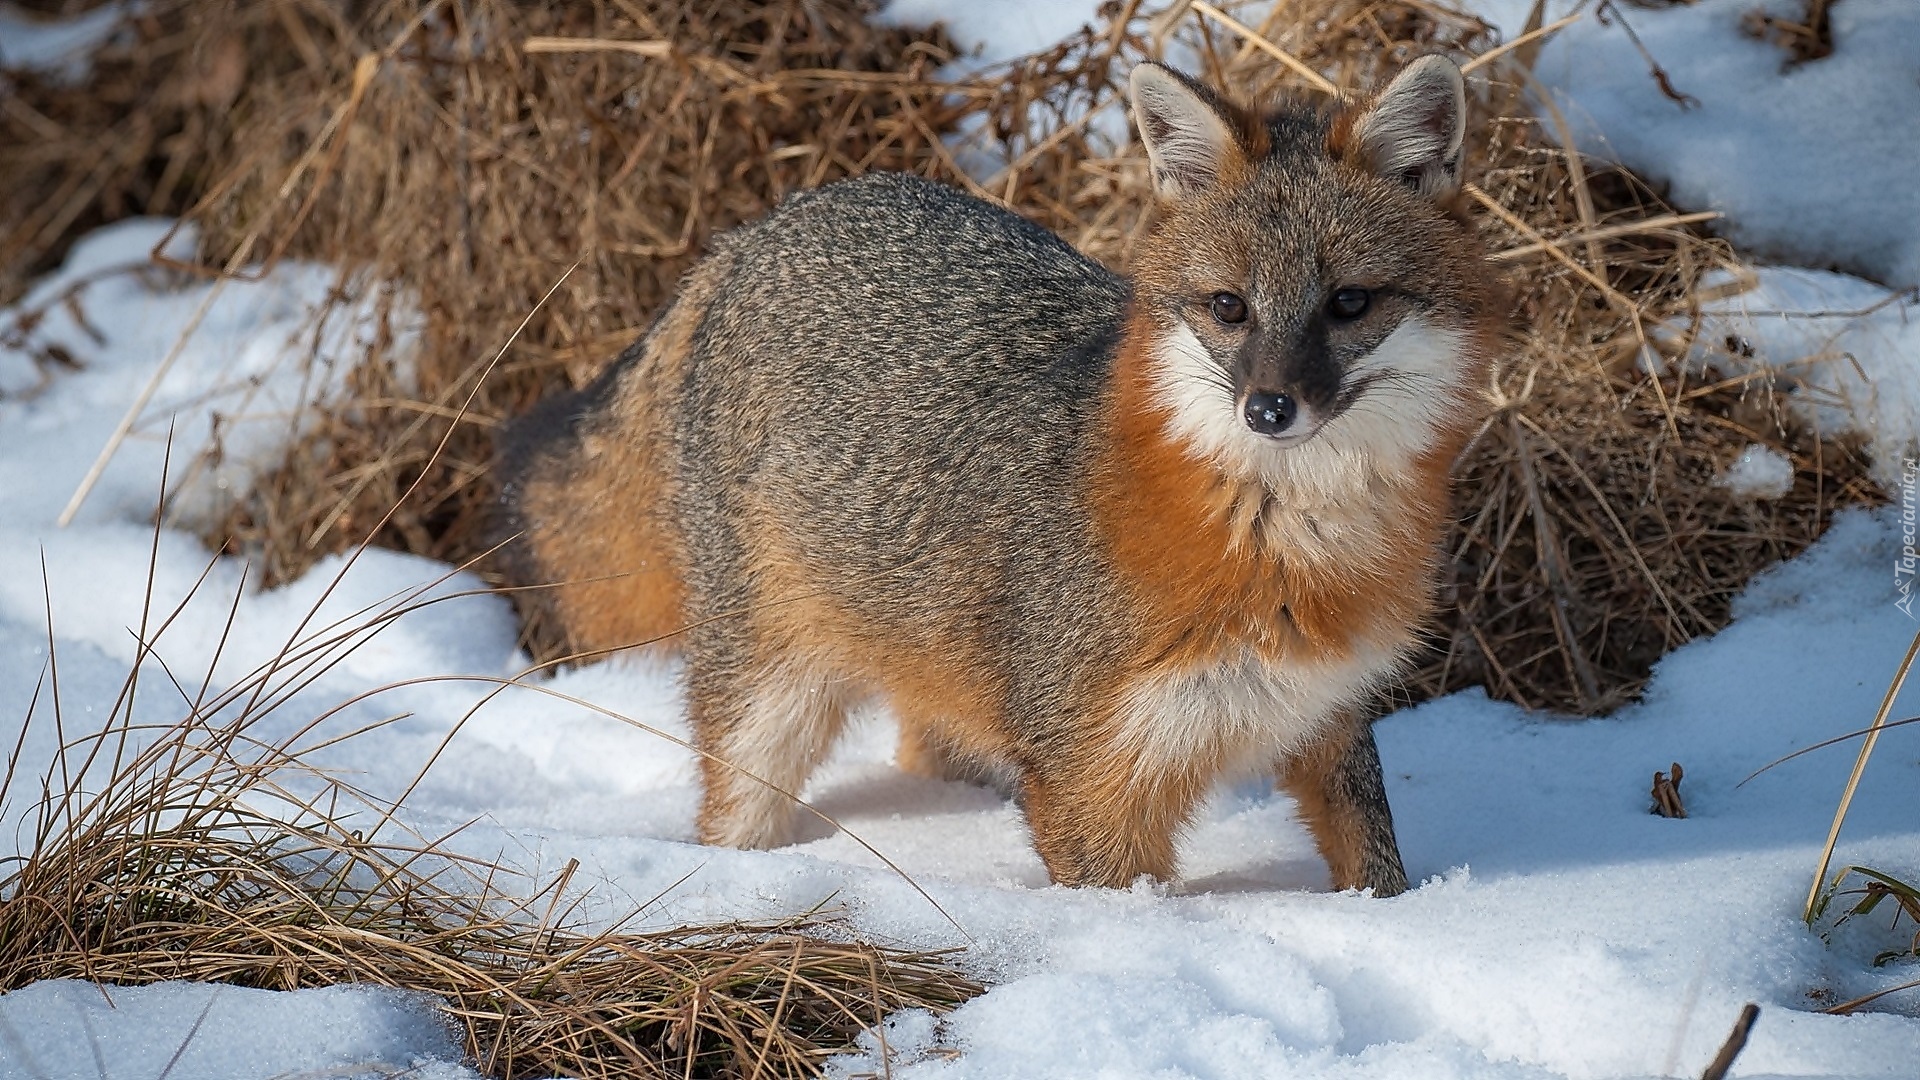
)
(1189, 140)
(1413, 131)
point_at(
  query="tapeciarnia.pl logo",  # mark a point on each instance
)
(1905, 567)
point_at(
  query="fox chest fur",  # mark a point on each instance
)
(1116, 535)
(1264, 611)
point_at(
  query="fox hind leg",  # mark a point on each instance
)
(1343, 801)
(765, 734)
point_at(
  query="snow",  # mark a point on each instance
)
(1845, 351)
(1813, 163)
(1760, 472)
(252, 359)
(1559, 930)
(991, 32)
(65, 1028)
(58, 47)
(995, 31)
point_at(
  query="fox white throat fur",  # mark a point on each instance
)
(1114, 537)
(1414, 384)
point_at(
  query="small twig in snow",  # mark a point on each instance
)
(1736, 1042)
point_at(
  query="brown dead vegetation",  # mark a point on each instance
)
(146, 855)
(475, 150)
(1808, 38)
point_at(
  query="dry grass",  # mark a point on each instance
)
(1809, 38)
(146, 134)
(485, 169)
(1872, 888)
(208, 850)
(473, 149)
(1729, 1052)
(1875, 886)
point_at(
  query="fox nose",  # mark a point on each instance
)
(1270, 414)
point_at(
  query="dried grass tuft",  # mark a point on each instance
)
(209, 850)
(472, 149)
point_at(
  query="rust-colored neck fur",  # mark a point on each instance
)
(1220, 565)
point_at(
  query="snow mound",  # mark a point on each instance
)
(1812, 163)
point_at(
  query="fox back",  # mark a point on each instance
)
(1117, 536)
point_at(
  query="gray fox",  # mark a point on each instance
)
(1117, 535)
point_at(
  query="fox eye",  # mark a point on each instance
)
(1228, 308)
(1349, 303)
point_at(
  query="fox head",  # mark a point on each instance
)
(1318, 312)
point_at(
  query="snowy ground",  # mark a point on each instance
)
(1560, 930)
(1813, 163)
(69, 1028)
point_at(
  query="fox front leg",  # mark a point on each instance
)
(1343, 800)
(1108, 819)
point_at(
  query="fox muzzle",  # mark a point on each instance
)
(1288, 384)
(1270, 413)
